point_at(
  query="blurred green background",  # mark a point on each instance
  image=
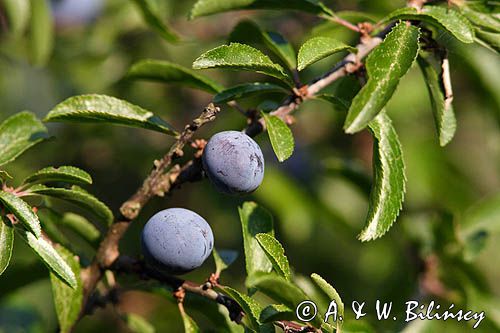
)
(318, 211)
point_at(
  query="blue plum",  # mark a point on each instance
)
(233, 162)
(176, 241)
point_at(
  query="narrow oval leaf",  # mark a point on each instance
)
(167, 72)
(444, 116)
(209, 7)
(6, 243)
(77, 196)
(281, 47)
(280, 290)
(483, 20)
(106, 109)
(19, 133)
(65, 174)
(338, 103)
(246, 90)
(238, 56)
(81, 226)
(329, 291)
(276, 253)
(441, 17)
(22, 211)
(138, 324)
(41, 32)
(18, 14)
(150, 14)
(67, 300)
(223, 259)
(190, 325)
(386, 65)
(53, 260)
(491, 39)
(388, 189)
(280, 135)
(255, 220)
(276, 312)
(318, 48)
(251, 308)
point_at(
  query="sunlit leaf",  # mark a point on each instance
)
(19, 133)
(280, 135)
(223, 259)
(386, 197)
(318, 48)
(78, 196)
(441, 17)
(444, 116)
(67, 300)
(209, 7)
(237, 56)
(65, 174)
(167, 72)
(22, 211)
(386, 65)
(106, 109)
(53, 260)
(6, 243)
(276, 254)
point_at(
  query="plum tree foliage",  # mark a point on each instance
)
(176, 241)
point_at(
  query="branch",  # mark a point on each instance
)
(158, 182)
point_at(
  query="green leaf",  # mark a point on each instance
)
(67, 300)
(483, 20)
(491, 39)
(318, 48)
(65, 174)
(251, 308)
(280, 290)
(18, 14)
(6, 243)
(441, 17)
(276, 312)
(238, 56)
(190, 325)
(19, 133)
(477, 224)
(329, 291)
(276, 254)
(151, 15)
(246, 90)
(281, 47)
(41, 32)
(209, 7)
(22, 211)
(255, 220)
(444, 116)
(167, 72)
(138, 324)
(81, 226)
(280, 135)
(386, 65)
(53, 260)
(77, 196)
(386, 197)
(223, 259)
(4, 176)
(106, 109)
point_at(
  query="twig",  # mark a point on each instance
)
(448, 90)
(157, 183)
